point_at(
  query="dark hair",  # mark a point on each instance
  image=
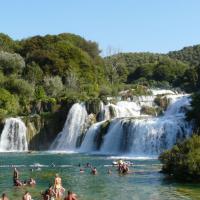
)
(4, 195)
(69, 192)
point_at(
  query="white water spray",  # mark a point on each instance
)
(73, 128)
(13, 137)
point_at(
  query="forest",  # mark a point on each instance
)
(51, 68)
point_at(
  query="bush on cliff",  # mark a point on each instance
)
(183, 160)
(9, 104)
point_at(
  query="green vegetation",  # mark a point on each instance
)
(183, 160)
(44, 70)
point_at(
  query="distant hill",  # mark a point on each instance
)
(190, 55)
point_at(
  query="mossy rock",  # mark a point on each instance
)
(148, 110)
(93, 106)
(162, 101)
(98, 140)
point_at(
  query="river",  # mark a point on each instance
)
(144, 182)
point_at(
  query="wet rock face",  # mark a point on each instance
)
(2, 123)
(43, 128)
(93, 106)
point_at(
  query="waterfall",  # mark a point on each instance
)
(13, 137)
(73, 128)
(122, 129)
(148, 135)
(131, 133)
(88, 144)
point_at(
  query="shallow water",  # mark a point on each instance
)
(144, 183)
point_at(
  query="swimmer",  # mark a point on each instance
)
(32, 182)
(15, 175)
(109, 171)
(27, 196)
(70, 196)
(4, 197)
(18, 183)
(81, 170)
(94, 171)
(88, 165)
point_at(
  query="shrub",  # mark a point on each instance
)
(183, 160)
(11, 63)
(53, 85)
(8, 103)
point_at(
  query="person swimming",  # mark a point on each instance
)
(70, 196)
(94, 171)
(31, 182)
(27, 196)
(81, 170)
(4, 197)
(15, 176)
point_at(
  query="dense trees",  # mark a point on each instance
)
(63, 66)
(147, 68)
(40, 68)
(183, 160)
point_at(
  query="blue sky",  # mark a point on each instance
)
(123, 25)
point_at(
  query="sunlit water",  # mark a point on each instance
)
(145, 181)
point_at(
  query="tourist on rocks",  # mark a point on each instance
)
(94, 171)
(70, 196)
(58, 189)
(27, 196)
(4, 197)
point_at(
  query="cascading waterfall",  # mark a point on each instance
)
(131, 133)
(13, 137)
(73, 128)
(150, 135)
(122, 129)
(88, 144)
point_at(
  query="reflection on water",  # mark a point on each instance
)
(144, 181)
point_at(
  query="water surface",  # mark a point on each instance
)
(145, 181)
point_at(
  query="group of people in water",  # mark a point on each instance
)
(57, 191)
(18, 182)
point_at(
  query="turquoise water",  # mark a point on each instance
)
(145, 182)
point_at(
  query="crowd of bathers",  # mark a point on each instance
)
(57, 191)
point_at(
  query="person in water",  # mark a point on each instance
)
(15, 176)
(4, 197)
(31, 182)
(109, 171)
(94, 171)
(18, 183)
(58, 189)
(48, 194)
(70, 196)
(81, 170)
(27, 196)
